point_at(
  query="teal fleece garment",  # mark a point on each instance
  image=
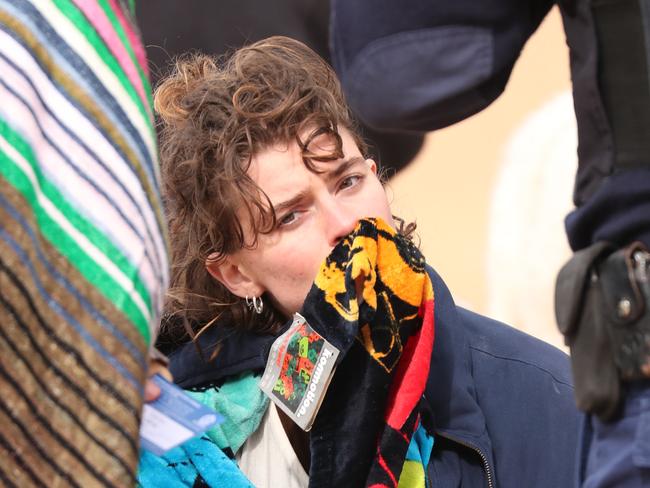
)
(242, 404)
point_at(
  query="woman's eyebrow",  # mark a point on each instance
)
(342, 168)
(291, 202)
(329, 175)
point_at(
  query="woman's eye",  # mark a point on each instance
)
(349, 182)
(288, 219)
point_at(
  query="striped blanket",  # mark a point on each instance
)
(83, 253)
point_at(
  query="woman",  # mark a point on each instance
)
(264, 178)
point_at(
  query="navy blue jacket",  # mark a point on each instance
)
(501, 401)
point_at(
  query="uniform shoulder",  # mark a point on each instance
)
(503, 342)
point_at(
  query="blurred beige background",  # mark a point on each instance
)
(449, 189)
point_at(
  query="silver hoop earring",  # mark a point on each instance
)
(255, 303)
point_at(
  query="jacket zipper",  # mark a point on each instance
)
(486, 465)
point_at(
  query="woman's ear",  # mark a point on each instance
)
(231, 274)
(372, 165)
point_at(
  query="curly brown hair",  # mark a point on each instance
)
(215, 115)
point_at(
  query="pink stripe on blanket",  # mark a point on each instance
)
(97, 17)
(134, 37)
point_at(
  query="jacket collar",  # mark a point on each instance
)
(240, 351)
(450, 390)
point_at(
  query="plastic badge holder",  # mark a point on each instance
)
(298, 371)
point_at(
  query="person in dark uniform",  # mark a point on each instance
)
(423, 65)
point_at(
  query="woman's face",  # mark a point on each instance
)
(314, 211)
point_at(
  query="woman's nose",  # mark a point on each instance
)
(339, 221)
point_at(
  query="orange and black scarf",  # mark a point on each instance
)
(385, 336)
